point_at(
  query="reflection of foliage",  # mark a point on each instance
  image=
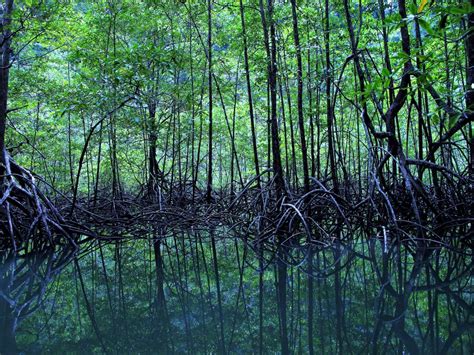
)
(384, 298)
(24, 280)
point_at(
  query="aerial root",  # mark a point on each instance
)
(318, 217)
(26, 214)
(266, 218)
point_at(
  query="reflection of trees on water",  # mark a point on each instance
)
(441, 278)
(182, 294)
(413, 298)
(23, 283)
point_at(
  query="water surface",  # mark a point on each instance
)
(189, 293)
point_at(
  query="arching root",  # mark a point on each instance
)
(26, 215)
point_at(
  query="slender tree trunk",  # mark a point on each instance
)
(152, 162)
(470, 102)
(329, 107)
(209, 58)
(249, 94)
(284, 78)
(285, 135)
(386, 51)
(193, 109)
(271, 50)
(97, 173)
(116, 185)
(470, 89)
(5, 40)
(304, 152)
(311, 107)
(278, 171)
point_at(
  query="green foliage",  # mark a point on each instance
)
(79, 60)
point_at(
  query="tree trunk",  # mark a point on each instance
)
(249, 93)
(470, 101)
(272, 76)
(209, 58)
(5, 40)
(304, 153)
(329, 107)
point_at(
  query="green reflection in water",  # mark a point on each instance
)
(174, 294)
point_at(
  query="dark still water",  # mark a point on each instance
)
(190, 293)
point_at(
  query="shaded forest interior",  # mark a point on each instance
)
(318, 153)
(309, 120)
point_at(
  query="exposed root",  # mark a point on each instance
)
(319, 217)
(27, 216)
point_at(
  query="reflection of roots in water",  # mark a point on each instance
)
(401, 272)
(23, 283)
(398, 288)
(405, 286)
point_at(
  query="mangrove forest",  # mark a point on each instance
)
(236, 177)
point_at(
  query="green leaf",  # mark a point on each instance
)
(452, 120)
(426, 26)
(463, 9)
